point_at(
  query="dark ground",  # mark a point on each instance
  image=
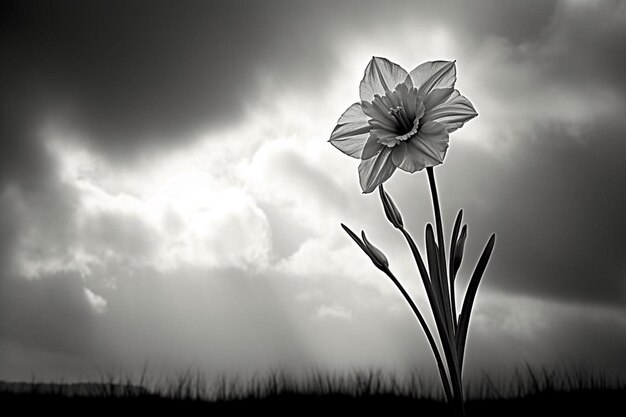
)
(583, 402)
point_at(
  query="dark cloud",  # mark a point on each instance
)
(133, 75)
(588, 44)
(556, 205)
(552, 192)
(561, 209)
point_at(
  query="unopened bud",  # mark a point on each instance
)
(459, 248)
(391, 211)
(375, 254)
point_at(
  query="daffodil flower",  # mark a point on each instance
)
(403, 120)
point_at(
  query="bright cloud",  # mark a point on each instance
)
(333, 312)
(170, 216)
(97, 302)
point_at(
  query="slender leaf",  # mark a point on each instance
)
(452, 271)
(455, 236)
(470, 295)
(355, 238)
(441, 253)
(433, 263)
(433, 299)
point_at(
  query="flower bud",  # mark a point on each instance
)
(459, 248)
(391, 211)
(379, 259)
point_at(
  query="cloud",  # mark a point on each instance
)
(148, 78)
(180, 216)
(508, 331)
(333, 312)
(568, 77)
(282, 174)
(97, 302)
(566, 197)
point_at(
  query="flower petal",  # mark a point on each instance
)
(378, 113)
(427, 148)
(412, 104)
(372, 147)
(434, 74)
(453, 113)
(381, 75)
(351, 132)
(399, 153)
(376, 170)
(436, 97)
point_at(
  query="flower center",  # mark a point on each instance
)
(395, 116)
(393, 112)
(407, 135)
(402, 121)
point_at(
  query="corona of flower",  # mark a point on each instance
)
(403, 120)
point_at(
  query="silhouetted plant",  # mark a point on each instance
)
(403, 121)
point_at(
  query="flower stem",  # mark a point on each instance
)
(441, 252)
(449, 333)
(431, 341)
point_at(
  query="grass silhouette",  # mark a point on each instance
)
(540, 392)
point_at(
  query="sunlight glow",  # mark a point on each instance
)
(166, 216)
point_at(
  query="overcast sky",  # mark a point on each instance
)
(168, 195)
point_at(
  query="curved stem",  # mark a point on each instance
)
(436, 308)
(429, 336)
(451, 354)
(421, 267)
(442, 251)
(437, 209)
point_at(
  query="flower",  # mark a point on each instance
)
(403, 120)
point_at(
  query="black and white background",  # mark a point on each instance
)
(167, 194)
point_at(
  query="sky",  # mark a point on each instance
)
(168, 196)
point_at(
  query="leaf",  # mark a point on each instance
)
(470, 295)
(433, 264)
(355, 238)
(452, 271)
(375, 255)
(439, 279)
(455, 236)
(459, 249)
